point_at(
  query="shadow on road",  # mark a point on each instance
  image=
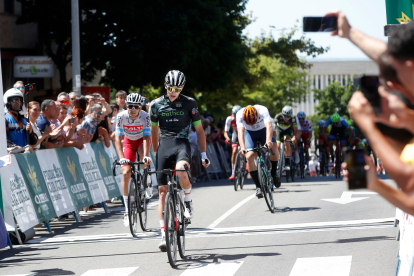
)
(53, 271)
(301, 209)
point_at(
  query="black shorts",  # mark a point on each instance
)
(170, 152)
(235, 137)
(280, 133)
(337, 130)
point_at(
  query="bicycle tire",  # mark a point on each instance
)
(243, 172)
(143, 206)
(338, 164)
(133, 207)
(281, 162)
(237, 172)
(264, 184)
(322, 166)
(181, 231)
(302, 163)
(292, 170)
(170, 229)
(288, 171)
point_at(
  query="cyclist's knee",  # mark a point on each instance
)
(249, 155)
(126, 171)
(162, 191)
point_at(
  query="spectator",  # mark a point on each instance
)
(33, 113)
(90, 122)
(120, 99)
(63, 112)
(77, 140)
(19, 132)
(207, 129)
(115, 111)
(49, 112)
(63, 99)
(72, 98)
(81, 103)
(103, 130)
(313, 166)
(98, 99)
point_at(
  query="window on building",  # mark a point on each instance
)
(314, 81)
(343, 80)
(9, 6)
(329, 79)
(319, 82)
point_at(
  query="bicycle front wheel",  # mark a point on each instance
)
(243, 172)
(170, 229)
(265, 185)
(181, 231)
(281, 163)
(143, 207)
(133, 207)
(237, 172)
(302, 164)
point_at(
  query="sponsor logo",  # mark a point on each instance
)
(172, 113)
(133, 128)
(32, 176)
(194, 111)
(103, 162)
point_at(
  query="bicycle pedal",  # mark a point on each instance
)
(187, 221)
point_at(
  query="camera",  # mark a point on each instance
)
(29, 87)
(355, 164)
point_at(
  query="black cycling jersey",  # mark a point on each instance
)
(280, 122)
(174, 118)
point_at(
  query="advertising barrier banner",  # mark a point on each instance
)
(78, 187)
(118, 172)
(55, 181)
(32, 174)
(104, 165)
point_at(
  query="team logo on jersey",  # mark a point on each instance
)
(194, 111)
(178, 104)
(133, 128)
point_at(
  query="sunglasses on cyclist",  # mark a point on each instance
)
(98, 112)
(13, 100)
(134, 106)
(174, 89)
(20, 87)
(64, 102)
(287, 117)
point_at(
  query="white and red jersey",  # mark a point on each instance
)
(262, 118)
(306, 125)
(133, 130)
(230, 123)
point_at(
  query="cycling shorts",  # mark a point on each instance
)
(280, 133)
(305, 138)
(252, 137)
(130, 149)
(234, 139)
(338, 130)
(170, 152)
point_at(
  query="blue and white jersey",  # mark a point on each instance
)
(342, 123)
(133, 130)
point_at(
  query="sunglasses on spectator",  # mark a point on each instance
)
(286, 116)
(20, 87)
(13, 100)
(98, 112)
(174, 89)
(64, 102)
(133, 106)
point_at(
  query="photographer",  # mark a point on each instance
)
(19, 132)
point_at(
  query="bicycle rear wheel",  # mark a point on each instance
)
(170, 229)
(237, 172)
(264, 184)
(281, 163)
(143, 205)
(133, 207)
(182, 226)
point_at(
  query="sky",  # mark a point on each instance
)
(368, 16)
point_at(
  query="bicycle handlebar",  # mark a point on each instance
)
(131, 163)
(256, 149)
(171, 172)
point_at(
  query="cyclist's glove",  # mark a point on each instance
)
(146, 159)
(123, 161)
(204, 158)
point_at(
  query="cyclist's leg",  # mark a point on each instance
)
(235, 147)
(250, 140)
(129, 149)
(141, 151)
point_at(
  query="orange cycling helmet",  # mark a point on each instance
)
(250, 115)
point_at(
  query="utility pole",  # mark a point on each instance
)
(76, 70)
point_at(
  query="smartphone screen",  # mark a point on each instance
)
(389, 29)
(319, 24)
(355, 164)
(369, 86)
(72, 120)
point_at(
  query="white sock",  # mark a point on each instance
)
(126, 203)
(232, 168)
(162, 227)
(187, 194)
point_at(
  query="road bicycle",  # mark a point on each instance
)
(338, 156)
(175, 221)
(264, 170)
(137, 203)
(240, 172)
(281, 163)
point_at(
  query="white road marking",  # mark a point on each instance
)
(216, 269)
(229, 212)
(346, 197)
(324, 266)
(124, 271)
(33, 274)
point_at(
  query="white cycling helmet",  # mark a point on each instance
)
(287, 110)
(321, 123)
(301, 115)
(11, 93)
(134, 98)
(175, 78)
(235, 109)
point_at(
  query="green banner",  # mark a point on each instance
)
(104, 164)
(399, 11)
(78, 187)
(36, 186)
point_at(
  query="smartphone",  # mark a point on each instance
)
(146, 101)
(319, 24)
(72, 120)
(355, 164)
(96, 96)
(369, 87)
(389, 29)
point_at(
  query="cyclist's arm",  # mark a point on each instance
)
(226, 135)
(146, 135)
(146, 145)
(269, 132)
(155, 137)
(118, 146)
(201, 137)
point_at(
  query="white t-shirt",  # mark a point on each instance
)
(313, 165)
(263, 117)
(38, 133)
(133, 130)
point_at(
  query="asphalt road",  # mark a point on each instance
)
(233, 233)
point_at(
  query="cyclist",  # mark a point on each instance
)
(306, 127)
(230, 133)
(172, 115)
(287, 125)
(253, 125)
(339, 126)
(320, 139)
(134, 125)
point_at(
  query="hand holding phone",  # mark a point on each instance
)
(355, 162)
(369, 87)
(316, 24)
